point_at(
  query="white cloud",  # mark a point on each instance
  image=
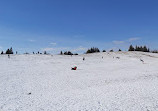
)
(47, 49)
(50, 49)
(126, 41)
(118, 42)
(79, 49)
(133, 39)
(78, 36)
(53, 43)
(31, 40)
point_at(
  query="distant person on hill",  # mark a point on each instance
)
(8, 56)
(142, 61)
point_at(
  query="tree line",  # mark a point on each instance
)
(67, 53)
(8, 51)
(139, 48)
(91, 50)
(131, 48)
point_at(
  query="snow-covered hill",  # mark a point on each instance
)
(119, 81)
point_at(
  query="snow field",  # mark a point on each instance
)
(107, 84)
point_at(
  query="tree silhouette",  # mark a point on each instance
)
(61, 53)
(104, 50)
(131, 48)
(9, 51)
(93, 50)
(45, 52)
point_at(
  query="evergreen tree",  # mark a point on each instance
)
(93, 50)
(145, 49)
(136, 48)
(75, 54)
(11, 50)
(65, 53)
(104, 50)
(45, 52)
(119, 50)
(131, 48)
(68, 53)
(141, 48)
(155, 51)
(8, 51)
(61, 53)
(2, 52)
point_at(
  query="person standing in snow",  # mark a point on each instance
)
(142, 61)
(8, 56)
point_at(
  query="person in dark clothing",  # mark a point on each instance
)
(8, 56)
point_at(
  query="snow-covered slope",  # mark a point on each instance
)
(117, 82)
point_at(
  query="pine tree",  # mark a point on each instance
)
(131, 48)
(61, 53)
(141, 48)
(8, 51)
(2, 52)
(65, 53)
(93, 50)
(45, 52)
(75, 54)
(145, 49)
(136, 48)
(104, 50)
(69, 53)
(11, 50)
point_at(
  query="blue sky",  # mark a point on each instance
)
(54, 25)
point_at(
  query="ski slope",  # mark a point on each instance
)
(117, 82)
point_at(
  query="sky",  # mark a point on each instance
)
(76, 25)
